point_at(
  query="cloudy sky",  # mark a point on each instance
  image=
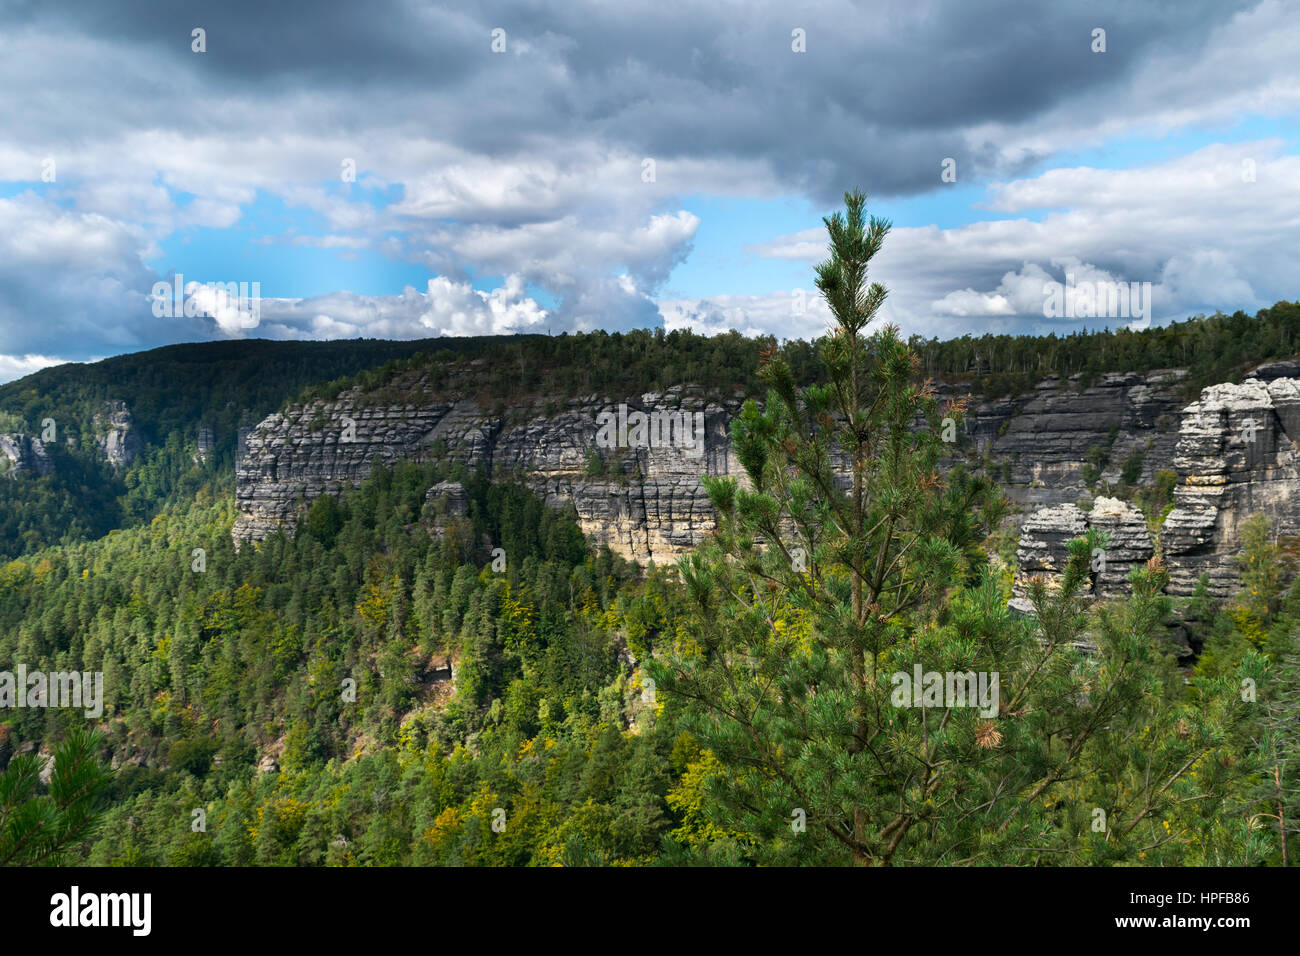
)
(407, 169)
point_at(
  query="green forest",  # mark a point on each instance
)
(396, 684)
(225, 386)
(551, 731)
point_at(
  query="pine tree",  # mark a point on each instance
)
(792, 633)
(42, 828)
(1276, 795)
(820, 598)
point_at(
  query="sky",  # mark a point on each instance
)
(407, 169)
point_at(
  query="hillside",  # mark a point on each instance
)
(135, 432)
(104, 445)
(1187, 469)
(415, 609)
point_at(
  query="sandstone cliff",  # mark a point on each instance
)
(1234, 457)
(20, 453)
(647, 503)
(118, 438)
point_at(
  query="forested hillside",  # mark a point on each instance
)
(168, 393)
(1216, 348)
(226, 694)
(429, 679)
(171, 392)
(215, 672)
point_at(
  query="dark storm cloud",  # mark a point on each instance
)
(255, 41)
(529, 165)
(881, 95)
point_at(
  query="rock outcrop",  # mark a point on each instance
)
(118, 439)
(1236, 456)
(645, 502)
(1047, 532)
(207, 442)
(1051, 448)
(23, 453)
(448, 498)
(1128, 544)
(114, 430)
(1041, 440)
(1043, 540)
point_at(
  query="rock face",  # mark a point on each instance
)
(207, 441)
(19, 453)
(1043, 540)
(646, 502)
(1236, 456)
(116, 436)
(119, 440)
(1289, 368)
(1042, 439)
(1048, 531)
(1128, 544)
(449, 498)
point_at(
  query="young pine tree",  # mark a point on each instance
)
(847, 559)
(785, 667)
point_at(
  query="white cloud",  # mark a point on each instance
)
(1231, 246)
(16, 366)
(69, 279)
(796, 313)
(561, 250)
(232, 306)
(446, 308)
(532, 165)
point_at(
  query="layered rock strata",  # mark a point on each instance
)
(118, 439)
(1052, 448)
(645, 501)
(1236, 456)
(1047, 532)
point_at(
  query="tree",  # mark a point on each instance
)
(1262, 574)
(790, 636)
(41, 828)
(1277, 793)
(819, 599)
(325, 519)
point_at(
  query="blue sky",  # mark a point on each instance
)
(719, 260)
(498, 192)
